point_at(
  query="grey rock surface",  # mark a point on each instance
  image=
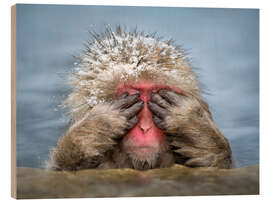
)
(175, 181)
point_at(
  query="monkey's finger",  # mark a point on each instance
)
(133, 110)
(127, 101)
(198, 162)
(156, 98)
(157, 110)
(158, 122)
(132, 122)
(191, 152)
(117, 103)
(170, 96)
(130, 100)
(122, 96)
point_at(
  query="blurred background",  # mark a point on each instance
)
(222, 43)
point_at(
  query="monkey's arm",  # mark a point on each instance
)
(192, 132)
(86, 143)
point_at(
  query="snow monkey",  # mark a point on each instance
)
(136, 103)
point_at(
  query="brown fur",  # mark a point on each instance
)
(195, 135)
(86, 141)
(95, 139)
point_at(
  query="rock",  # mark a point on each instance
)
(175, 181)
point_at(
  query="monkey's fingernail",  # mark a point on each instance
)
(162, 91)
(125, 94)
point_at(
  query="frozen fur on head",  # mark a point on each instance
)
(121, 57)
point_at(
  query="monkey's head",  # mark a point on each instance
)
(118, 62)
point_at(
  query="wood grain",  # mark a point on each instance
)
(13, 103)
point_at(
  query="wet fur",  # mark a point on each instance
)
(87, 141)
(194, 135)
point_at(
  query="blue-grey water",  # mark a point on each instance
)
(223, 44)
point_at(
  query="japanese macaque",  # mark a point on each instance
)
(136, 103)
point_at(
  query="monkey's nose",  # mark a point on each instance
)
(145, 127)
(145, 122)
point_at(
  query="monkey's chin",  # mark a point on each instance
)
(143, 158)
(144, 153)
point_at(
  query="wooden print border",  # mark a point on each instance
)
(13, 102)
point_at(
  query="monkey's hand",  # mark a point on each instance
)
(87, 142)
(128, 107)
(192, 133)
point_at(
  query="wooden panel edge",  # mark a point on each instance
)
(13, 104)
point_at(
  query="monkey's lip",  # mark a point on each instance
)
(143, 151)
(143, 148)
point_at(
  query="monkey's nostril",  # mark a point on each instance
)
(145, 128)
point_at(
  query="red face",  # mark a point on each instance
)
(145, 140)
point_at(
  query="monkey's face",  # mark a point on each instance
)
(145, 140)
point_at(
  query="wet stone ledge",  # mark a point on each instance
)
(175, 181)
